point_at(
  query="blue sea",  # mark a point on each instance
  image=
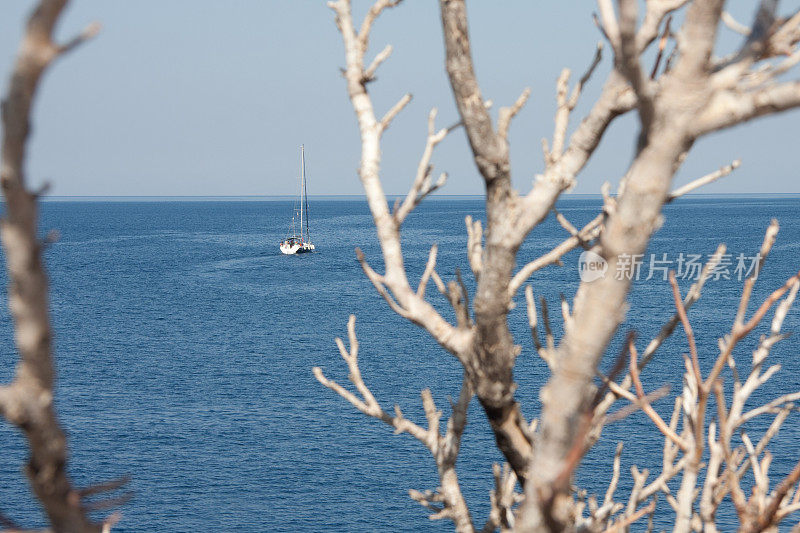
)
(185, 343)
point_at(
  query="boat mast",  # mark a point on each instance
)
(305, 193)
(302, 187)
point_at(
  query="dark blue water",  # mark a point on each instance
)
(185, 343)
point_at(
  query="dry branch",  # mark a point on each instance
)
(734, 25)
(589, 232)
(645, 405)
(28, 401)
(422, 185)
(443, 447)
(393, 285)
(508, 113)
(705, 180)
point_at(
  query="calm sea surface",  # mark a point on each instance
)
(185, 343)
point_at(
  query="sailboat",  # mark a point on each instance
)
(299, 243)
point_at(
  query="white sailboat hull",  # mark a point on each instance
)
(292, 249)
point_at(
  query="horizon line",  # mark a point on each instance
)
(61, 197)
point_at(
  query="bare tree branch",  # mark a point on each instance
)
(645, 405)
(728, 108)
(393, 112)
(369, 73)
(705, 180)
(28, 401)
(422, 185)
(508, 113)
(589, 232)
(444, 448)
(627, 56)
(404, 299)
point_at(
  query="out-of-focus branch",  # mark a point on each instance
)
(687, 328)
(627, 521)
(608, 22)
(565, 105)
(705, 180)
(728, 109)
(589, 232)
(429, 271)
(394, 111)
(508, 113)
(474, 245)
(656, 12)
(735, 25)
(616, 391)
(502, 498)
(563, 164)
(28, 401)
(369, 19)
(627, 59)
(746, 89)
(662, 45)
(645, 405)
(599, 305)
(762, 510)
(544, 351)
(383, 55)
(616, 99)
(692, 296)
(593, 229)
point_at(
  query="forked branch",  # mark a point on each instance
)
(422, 185)
(447, 501)
(393, 285)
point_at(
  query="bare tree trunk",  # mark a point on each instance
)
(493, 352)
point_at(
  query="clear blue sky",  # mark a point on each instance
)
(200, 97)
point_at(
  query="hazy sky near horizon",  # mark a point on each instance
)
(202, 97)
